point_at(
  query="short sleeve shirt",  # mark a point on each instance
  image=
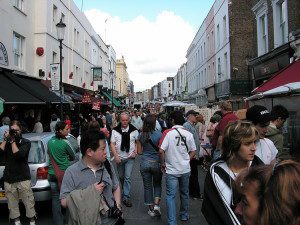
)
(117, 138)
(266, 150)
(176, 154)
(79, 176)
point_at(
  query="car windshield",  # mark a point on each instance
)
(37, 153)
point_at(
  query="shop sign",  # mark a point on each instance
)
(97, 74)
(86, 98)
(55, 76)
(96, 105)
(3, 55)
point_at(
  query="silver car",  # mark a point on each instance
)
(38, 164)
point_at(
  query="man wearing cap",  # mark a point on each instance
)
(265, 148)
(194, 186)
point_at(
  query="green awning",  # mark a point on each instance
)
(1, 105)
(115, 101)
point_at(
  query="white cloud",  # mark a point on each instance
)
(153, 50)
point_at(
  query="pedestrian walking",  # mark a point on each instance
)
(194, 187)
(177, 148)
(90, 175)
(123, 147)
(147, 147)
(17, 179)
(60, 154)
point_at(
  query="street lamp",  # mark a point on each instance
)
(60, 36)
(112, 88)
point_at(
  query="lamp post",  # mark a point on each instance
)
(60, 36)
(112, 88)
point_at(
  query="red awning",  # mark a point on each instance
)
(289, 74)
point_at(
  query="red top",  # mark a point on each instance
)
(68, 122)
(219, 130)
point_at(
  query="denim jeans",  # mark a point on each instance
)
(172, 182)
(151, 174)
(57, 216)
(124, 170)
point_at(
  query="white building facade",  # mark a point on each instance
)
(31, 25)
(208, 56)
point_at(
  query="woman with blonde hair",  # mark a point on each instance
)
(220, 196)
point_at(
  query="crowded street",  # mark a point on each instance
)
(163, 112)
(136, 215)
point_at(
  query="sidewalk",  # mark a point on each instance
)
(137, 215)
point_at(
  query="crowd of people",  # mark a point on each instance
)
(251, 180)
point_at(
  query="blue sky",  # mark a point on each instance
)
(152, 35)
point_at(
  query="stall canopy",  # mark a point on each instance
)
(12, 93)
(35, 87)
(115, 101)
(289, 74)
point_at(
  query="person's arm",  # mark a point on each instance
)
(22, 150)
(192, 154)
(117, 196)
(3, 144)
(162, 160)
(139, 147)
(114, 150)
(70, 151)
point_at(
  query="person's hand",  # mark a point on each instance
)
(117, 159)
(163, 167)
(99, 187)
(6, 135)
(133, 155)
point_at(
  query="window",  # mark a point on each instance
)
(54, 18)
(225, 65)
(219, 70)
(63, 17)
(201, 52)
(282, 20)
(204, 50)
(76, 39)
(263, 34)
(54, 57)
(224, 28)
(20, 5)
(18, 48)
(261, 11)
(218, 35)
(212, 46)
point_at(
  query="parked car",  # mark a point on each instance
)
(38, 160)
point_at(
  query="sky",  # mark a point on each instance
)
(152, 35)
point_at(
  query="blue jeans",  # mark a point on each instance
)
(57, 216)
(124, 170)
(151, 174)
(172, 182)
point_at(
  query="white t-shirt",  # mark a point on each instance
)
(266, 150)
(117, 138)
(176, 155)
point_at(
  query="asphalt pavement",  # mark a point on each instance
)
(136, 215)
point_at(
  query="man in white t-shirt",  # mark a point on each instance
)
(265, 148)
(123, 147)
(177, 148)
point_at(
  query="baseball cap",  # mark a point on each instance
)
(191, 112)
(259, 114)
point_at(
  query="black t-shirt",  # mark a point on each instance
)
(16, 164)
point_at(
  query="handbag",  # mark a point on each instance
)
(58, 172)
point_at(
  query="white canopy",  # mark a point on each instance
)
(176, 104)
(284, 89)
